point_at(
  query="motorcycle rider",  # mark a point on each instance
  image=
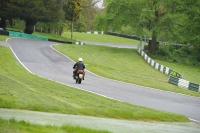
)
(78, 66)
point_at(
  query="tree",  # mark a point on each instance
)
(191, 25)
(72, 11)
(89, 10)
(154, 15)
(3, 13)
(33, 11)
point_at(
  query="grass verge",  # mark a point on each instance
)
(100, 38)
(123, 65)
(10, 126)
(3, 38)
(22, 90)
(52, 36)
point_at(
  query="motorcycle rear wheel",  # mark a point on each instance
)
(78, 80)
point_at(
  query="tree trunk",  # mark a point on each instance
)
(29, 26)
(153, 44)
(3, 23)
(61, 31)
(48, 30)
(72, 28)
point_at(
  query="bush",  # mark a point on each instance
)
(185, 55)
(163, 50)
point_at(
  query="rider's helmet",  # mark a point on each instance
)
(80, 59)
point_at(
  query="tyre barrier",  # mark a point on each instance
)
(94, 32)
(159, 67)
(184, 83)
(174, 77)
(79, 43)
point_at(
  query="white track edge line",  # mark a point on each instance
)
(194, 120)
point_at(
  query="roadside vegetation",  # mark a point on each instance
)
(10, 126)
(185, 55)
(22, 90)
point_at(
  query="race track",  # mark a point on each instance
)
(39, 58)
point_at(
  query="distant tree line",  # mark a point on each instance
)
(50, 12)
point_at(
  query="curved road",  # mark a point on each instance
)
(39, 58)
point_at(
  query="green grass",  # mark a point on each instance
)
(123, 65)
(11, 126)
(100, 38)
(22, 90)
(3, 38)
(52, 36)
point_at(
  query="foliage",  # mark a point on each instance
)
(50, 27)
(39, 10)
(80, 26)
(181, 55)
(170, 21)
(187, 25)
(153, 15)
(33, 11)
(72, 9)
(192, 26)
(72, 12)
(87, 15)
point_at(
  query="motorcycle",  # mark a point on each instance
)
(79, 76)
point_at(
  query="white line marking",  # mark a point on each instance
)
(194, 120)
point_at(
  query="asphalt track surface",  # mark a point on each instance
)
(39, 58)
